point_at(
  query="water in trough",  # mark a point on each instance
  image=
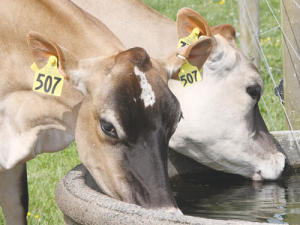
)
(229, 197)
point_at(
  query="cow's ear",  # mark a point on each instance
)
(225, 30)
(187, 20)
(195, 53)
(42, 48)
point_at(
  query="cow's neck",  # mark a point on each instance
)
(61, 21)
(157, 33)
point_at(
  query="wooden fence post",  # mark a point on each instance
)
(290, 21)
(248, 42)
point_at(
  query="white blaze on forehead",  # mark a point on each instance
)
(147, 95)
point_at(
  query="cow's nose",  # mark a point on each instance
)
(257, 176)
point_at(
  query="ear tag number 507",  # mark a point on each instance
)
(48, 80)
(189, 74)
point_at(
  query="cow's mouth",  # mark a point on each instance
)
(257, 176)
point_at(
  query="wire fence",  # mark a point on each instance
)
(256, 43)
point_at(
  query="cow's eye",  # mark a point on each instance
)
(254, 92)
(108, 128)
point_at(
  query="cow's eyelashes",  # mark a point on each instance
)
(180, 117)
(108, 128)
(254, 92)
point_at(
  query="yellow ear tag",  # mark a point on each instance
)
(194, 36)
(34, 67)
(48, 80)
(188, 73)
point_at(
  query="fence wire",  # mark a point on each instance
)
(255, 40)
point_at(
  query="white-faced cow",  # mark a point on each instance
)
(222, 126)
(114, 102)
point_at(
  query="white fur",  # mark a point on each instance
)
(148, 95)
(78, 80)
(216, 129)
(15, 145)
(18, 141)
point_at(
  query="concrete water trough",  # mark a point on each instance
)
(82, 202)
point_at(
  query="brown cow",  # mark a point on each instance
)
(115, 102)
(222, 127)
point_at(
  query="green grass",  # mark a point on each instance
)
(44, 173)
(46, 170)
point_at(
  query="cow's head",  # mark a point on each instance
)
(126, 118)
(223, 128)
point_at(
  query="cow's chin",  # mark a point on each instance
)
(251, 166)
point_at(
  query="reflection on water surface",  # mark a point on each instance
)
(226, 197)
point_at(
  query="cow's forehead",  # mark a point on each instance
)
(234, 61)
(248, 71)
(139, 100)
(135, 88)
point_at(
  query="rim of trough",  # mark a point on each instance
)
(84, 204)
